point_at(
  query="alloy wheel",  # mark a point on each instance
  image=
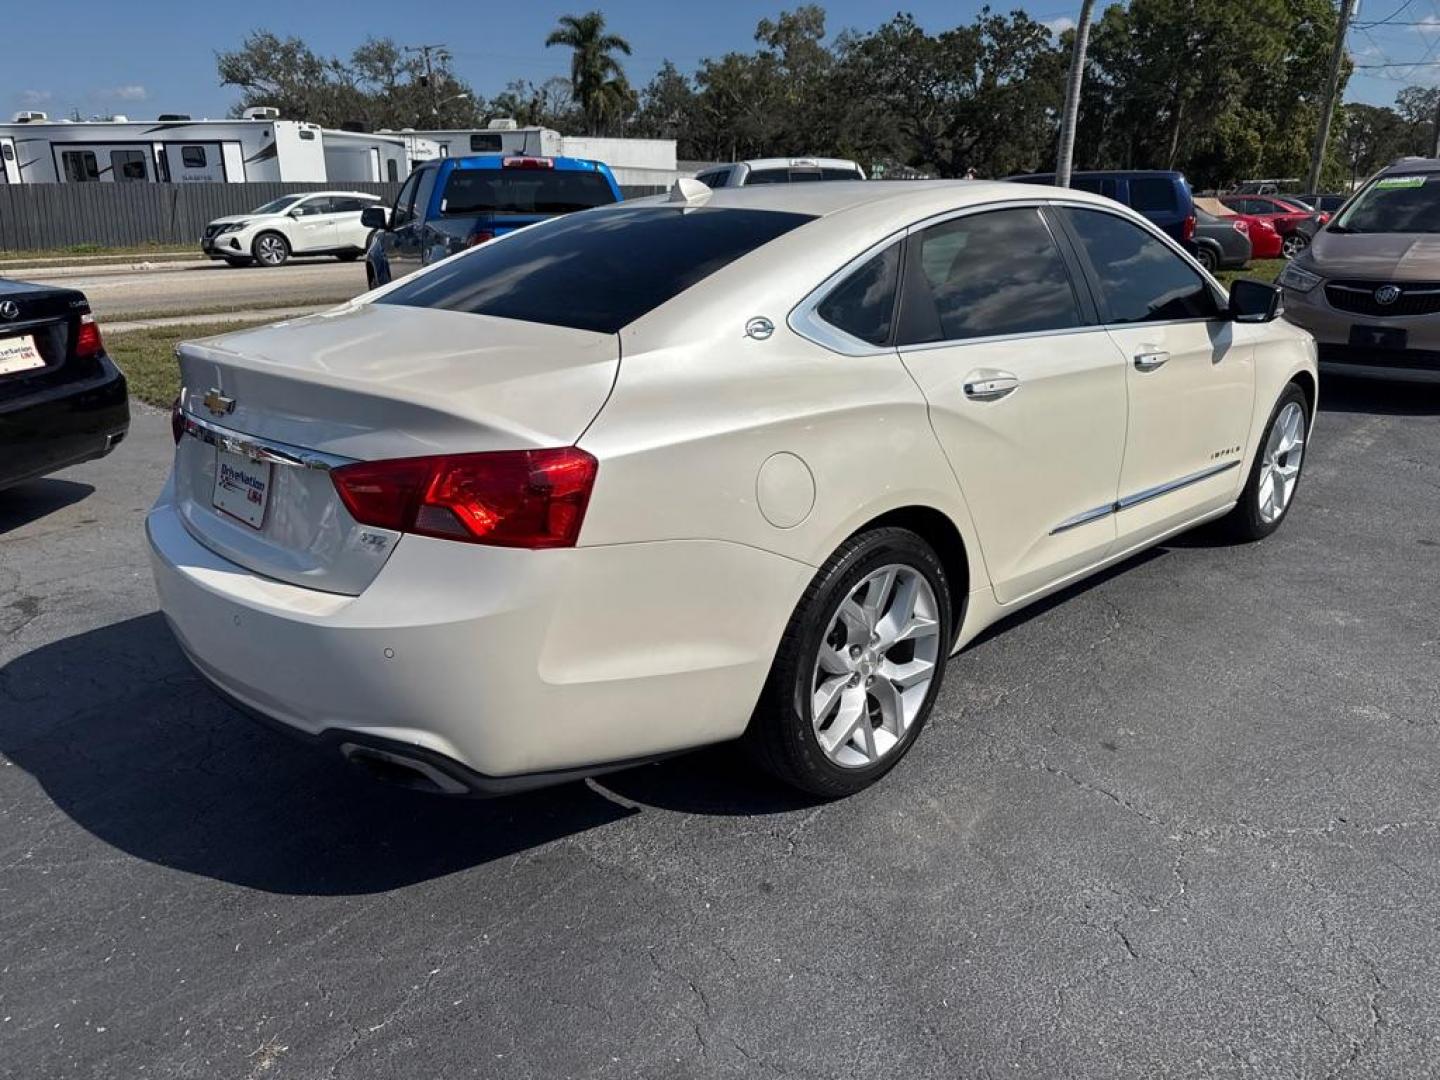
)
(1292, 246)
(875, 665)
(270, 250)
(1280, 465)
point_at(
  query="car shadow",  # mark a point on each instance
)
(131, 744)
(1347, 394)
(35, 499)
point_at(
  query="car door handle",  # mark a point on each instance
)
(1149, 361)
(989, 386)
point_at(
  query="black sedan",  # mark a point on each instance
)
(62, 400)
(1218, 244)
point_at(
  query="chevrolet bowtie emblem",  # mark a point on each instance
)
(218, 403)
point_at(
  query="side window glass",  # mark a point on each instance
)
(1153, 193)
(193, 157)
(404, 201)
(422, 195)
(80, 166)
(1141, 278)
(863, 305)
(129, 165)
(768, 176)
(985, 274)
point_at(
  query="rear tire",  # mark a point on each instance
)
(1293, 244)
(1206, 258)
(866, 649)
(270, 249)
(1275, 474)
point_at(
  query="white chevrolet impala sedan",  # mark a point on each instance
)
(752, 463)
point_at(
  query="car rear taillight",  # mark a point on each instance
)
(1322, 217)
(1242, 227)
(527, 163)
(479, 236)
(509, 498)
(88, 342)
(1187, 230)
(177, 420)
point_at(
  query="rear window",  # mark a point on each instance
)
(471, 192)
(1153, 193)
(583, 271)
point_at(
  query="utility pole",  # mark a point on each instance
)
(1066, 150)
(1437, 127)
(1332, 91)
(428, 79)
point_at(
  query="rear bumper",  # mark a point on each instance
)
(504, 668)
(58, 426)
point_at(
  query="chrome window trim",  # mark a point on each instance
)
(258, 449)
(804, 321)
(1130, 501)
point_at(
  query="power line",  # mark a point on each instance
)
(1389, 20)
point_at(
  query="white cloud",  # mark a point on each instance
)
(133, 92)
(1430, 24)
(34, 97)
(1060, 25)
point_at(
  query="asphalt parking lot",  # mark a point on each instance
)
(1181, 822)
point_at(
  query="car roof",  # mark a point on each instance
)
(835, 196)
(327, 191)
(1412, 165)
(800, 161)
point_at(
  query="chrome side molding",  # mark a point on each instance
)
(1087, 516)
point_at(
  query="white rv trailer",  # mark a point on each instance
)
(359, 155)
(35, 150)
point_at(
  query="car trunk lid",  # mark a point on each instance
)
(270, 411)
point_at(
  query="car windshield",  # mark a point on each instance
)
(583, 271)
(1394, 204)
(471, 192)
(278, 206)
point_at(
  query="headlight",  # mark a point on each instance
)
(1294, 277)
(234, 226)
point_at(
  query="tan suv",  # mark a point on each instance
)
(1368, 286)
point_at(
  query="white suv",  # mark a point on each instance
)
(319, 223)
(780, 171)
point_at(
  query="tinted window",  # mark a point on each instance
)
(805, 176)
(486, 142)
(840, 174)
(993, 273)
(1394, 204)
(80, 165)
(1153, 193)
(311, 207)
(405, 201)
(347, 205)
(713, 179)
(193, 157)
(129, 165)
(582, 271)
(469, 192)
(1095, 184)
(392, 170)
(863, 305)
(277, 206)
(306, 134)
(425, 191)
(768, 176)
(1141, 279)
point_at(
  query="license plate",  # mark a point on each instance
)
(242, 487)
(19, 354)
(1378, 337)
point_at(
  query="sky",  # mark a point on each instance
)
(144, 57)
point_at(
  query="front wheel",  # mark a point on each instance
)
(1293, 245)
(1275, 475)
(858, 668)
(270, 249)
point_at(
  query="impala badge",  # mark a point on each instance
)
(218, 403)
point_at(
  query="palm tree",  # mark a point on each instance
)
(594, 71)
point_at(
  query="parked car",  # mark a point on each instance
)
(1264, 240)
(323, 223)
(1162, 196)
(448, 205)
(797, 170)
(1220, 243)
(1284, 214)
(1323, 204)
(1368, 286)
(551, 507)
(62, 399)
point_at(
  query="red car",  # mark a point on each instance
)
(1284, 215)
(1265, 241)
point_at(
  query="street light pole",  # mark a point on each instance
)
(1332, 91)
(1066, 150)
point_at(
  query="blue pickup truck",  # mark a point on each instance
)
(448, 205)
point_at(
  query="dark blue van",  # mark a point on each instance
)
(448, 205)
(1162, 196)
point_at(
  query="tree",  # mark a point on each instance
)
(666, 106)
(596, 77)
(1370, 136)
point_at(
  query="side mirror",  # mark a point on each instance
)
(297, 213)
(375, 217)
(1254, 301)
